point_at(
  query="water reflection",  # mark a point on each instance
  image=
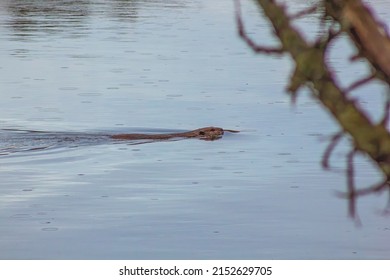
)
(34, 17)
(124, 10)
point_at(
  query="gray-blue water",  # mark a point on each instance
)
(98, 67)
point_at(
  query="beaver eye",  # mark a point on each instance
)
(201, 132)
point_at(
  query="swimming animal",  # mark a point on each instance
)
(210, 133)
(16, 140)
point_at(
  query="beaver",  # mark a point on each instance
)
(210, 133)
(17, 140)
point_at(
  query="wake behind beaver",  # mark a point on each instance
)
(15, 140)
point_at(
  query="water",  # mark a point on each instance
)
(96, 67)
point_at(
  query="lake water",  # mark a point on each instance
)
(102, 67)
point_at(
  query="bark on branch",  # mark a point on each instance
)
(368, 34)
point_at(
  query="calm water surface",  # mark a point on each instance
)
(96, 67)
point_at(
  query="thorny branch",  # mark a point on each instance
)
(311, 70)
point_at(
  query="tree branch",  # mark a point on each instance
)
(241, 31)
(368, 34)
(311, 70)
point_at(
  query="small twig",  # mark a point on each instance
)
(324, 40)
(332, 34)
(304, 12)
(356, 57)
(328, 151)
(373, 189)
(241, 31)
(359, 83)
(365, 191)
(350, 172)
(328, 28)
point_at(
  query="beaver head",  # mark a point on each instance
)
(208, 133)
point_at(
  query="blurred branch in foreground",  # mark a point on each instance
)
(370, 37)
